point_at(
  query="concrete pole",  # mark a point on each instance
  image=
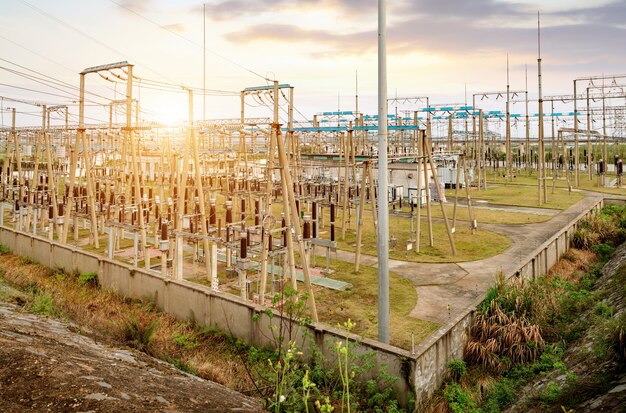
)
(507, 147)
(18, 158)
(553, 149)
(359, 221)
(605, 154)
(482, 170)
(419, 153)
(91, 199)
(199, 188)
(440, 196)
(576, 171)
(429, 217)
(370, 174)
(383, 206)
(470, 210)
(456, 192)
(288, 194)
(135, 161)
(589, 166)
(540, 143)
(52, 187)
(527, 149)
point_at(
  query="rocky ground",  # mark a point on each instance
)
(46, 366)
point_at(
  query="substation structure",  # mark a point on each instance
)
(246, 204)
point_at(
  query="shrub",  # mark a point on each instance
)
(187, 341)
(457, 369)
(500, 394)
(604, 251)
(137, 334)
(4, 249)
(43, 304)
(459, 399)
(89, 279)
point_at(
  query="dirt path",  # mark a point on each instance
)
(45, 367)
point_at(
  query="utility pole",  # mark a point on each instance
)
(540, 150)
(383, 206)
(508, 123)
(204, 62)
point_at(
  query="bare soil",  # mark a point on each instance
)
(46, 366)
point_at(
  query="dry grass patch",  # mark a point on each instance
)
(135, 323)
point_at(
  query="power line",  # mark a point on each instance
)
(160, 26)
(43, 82)
(53, 80)
(101, 43)
(38, 91)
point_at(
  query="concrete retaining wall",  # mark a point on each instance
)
(446, 344)
(422, 372)
(193, 302)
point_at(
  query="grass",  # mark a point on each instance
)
(486, 216)
(525, 196)
(360, 305)
(558, 309)
(470, 247)
(561, 182)
(122, 321)
(194, 349)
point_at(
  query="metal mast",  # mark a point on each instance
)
(383, 207)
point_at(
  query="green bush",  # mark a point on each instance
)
(89, 279)
(459, 399)
(43, 304)
(457, 369)
(138, 335)
(499, 395)
(187, 341)
(604, 251)
(603, 310)
(4, 249)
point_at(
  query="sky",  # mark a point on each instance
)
(447, 50)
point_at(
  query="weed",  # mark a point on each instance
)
(456, 369)
(187, 341)
(43, 304)
(89, 279)
(551, 393)
(603, 310)
(182, 366)
(604, 251)
(459, 399)
(4, 249)
(137, 334)
(26, 260)
(500, 394)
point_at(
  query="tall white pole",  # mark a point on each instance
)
(204, 62)
(540, 177)
(383, 207)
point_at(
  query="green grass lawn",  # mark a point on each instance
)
(470, 247)
(526, 196)
(484, 216)
(561, 182)
(360, 304)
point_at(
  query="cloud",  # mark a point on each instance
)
(231, 9)
(346, 44)
(139, 6)
(447, 27)
(175, 27)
